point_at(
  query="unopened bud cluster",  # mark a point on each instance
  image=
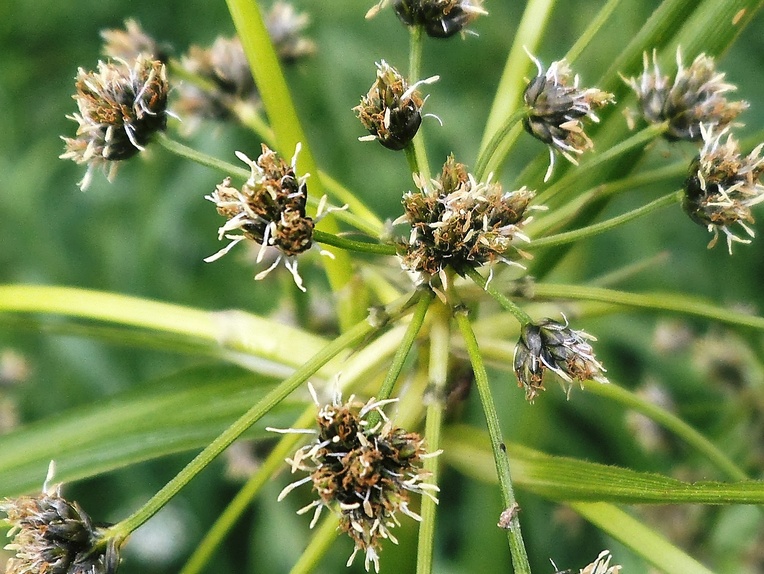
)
(391, 111)
(268, 209)
(460, 222)
(120, 107)
(365, 472)
(551, 345)
(695, 97)
(722, 186)
(54, 536)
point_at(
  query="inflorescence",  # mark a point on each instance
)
(438, 18)
(120, 107)
(460, 222)
(365, 472)
(552, 345)
(268, 209)
(556, 109)
(723, 185)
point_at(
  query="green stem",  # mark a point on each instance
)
(371, 223)
(372, 227)
(501, 459)
(319, 544)
(415, 61)
(654, 301)
(353, 336)
(353, 244)
(567, 182)
(412, 159)
(440, 340)
(495, 152)
(417, 319)
(225, 522)
(603, 226)
(669, 421)
(594, 26)
(502, 299)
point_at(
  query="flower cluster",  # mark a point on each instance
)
(120, 108)
(365, 471)
(695, 97)
(551, 345)
(54, 536)
(391, 111)
(723, 185)
(269, 209)
(556, 108)
(439, 18)
(132, 42)
(601, 565)
(460, 222)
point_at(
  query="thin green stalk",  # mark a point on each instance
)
(351, 218)
(501, 459)
(502, 299)
(671, 302)
(415, 62)
(353, 244)
(669, 421)
(512, 83)
(603, 226)
(493, 154)
(417, 319)
(372, 224)
(348, 339)
(225, 522)
(639, 139)
(412, 159)
(440, 350)
(322, 539)
(288, 132)
(594, 26)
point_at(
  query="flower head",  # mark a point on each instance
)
(556, 109)
(54, 536)
(269, 209)
(460, 222)
(696, 97)
(285, 26)
(132, 42)
(551, 345)
(391, 111)
(723, 185)
(120, 108)
(439, 18)
(601, 565)
(365, 472)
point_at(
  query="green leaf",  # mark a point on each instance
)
(179, 413)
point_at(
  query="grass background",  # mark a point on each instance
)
(146, 234)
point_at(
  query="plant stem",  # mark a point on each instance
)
(352, 337)
(672, 302)
(353, 244)
(411, 158)
(494, 152)
(319, 544)
(417, 319)
(594, 26)
(603, 226)
(522, 317)
(415, 61)
(501, 459)
(669, 421)
(440, 339)
(226, 521)
(567, 182)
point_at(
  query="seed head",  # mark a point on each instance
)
(132, 42)
(439, 18)
(723, 185)
(54, 536)
(551, 345)
(269, 209)
(695, 97)
(556, 109)
(391, 111)
(364, 472)
(120, 108)
(460, 222)
(285, 26)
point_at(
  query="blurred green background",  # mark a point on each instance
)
(147, 233)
